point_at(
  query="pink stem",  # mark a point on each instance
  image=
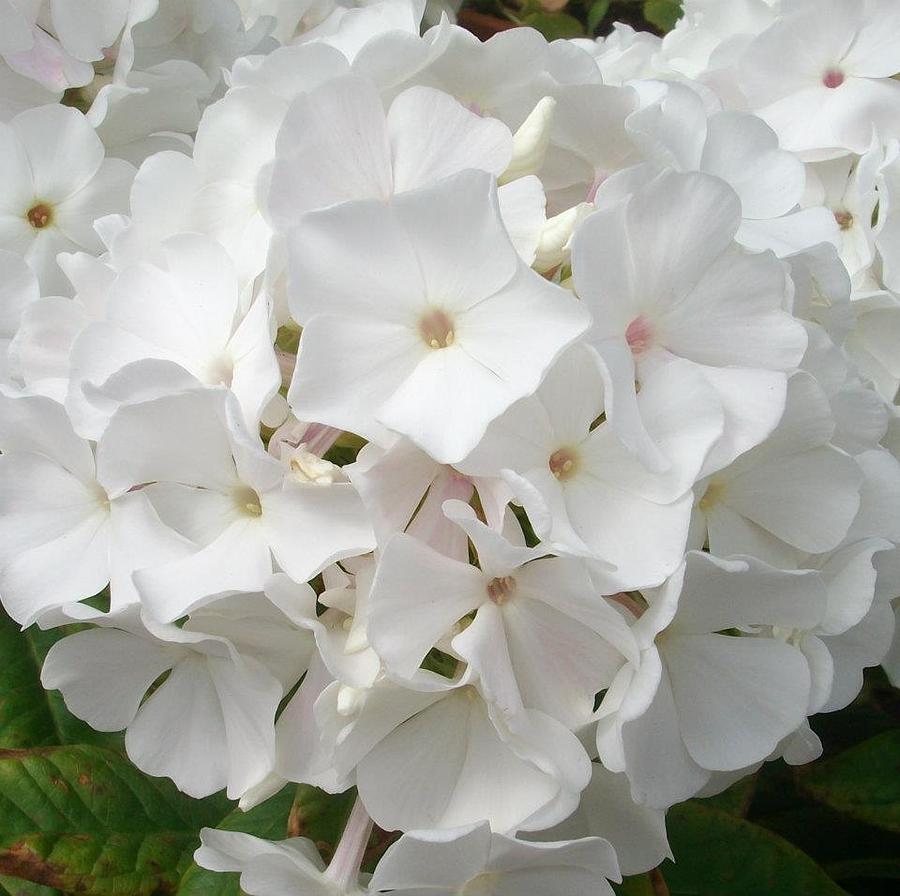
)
(348, 857)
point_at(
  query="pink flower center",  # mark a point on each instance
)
(844, 219)
(639, 335)
(833, 78)
(563, 463)
(501, 589)
(436, 329)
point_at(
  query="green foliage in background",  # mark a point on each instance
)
(582, 18)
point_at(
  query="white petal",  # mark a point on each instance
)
(238, 560)
(63, 149)
(249, 696)
(433, 136)
(332, 147)
(179, 732)
(310, 527)
(808, 500)
(179, 438)
(434, 859)
(347, 370)
(417, 596)
(380, 279)
(736, 697)
(722, 594)
(104, 674)
(658, 765)
(39, 425)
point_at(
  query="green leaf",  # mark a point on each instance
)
(84, 819)
(862, 782)
(717, 853)
(320, 816)
(29, 715)
(596, 14)
(663, 14)
(15, 886)
(857, 869)
(736, 799)
(636, 885)
(295, 811)
(555, 25)
(106, 864)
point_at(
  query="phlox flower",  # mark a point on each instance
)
(540, 636)
(821, 75)
(236, 509)
(54, 182)
(702, 701)
(665, 282)
(453, 330)
(211, 722)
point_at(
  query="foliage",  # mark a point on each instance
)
(569, 18)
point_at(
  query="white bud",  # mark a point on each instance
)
(530, 142)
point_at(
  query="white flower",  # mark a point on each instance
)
(440, 757)
(742, 150)
(236, 508)
(583, 489)
(540, 637)
(454, 329)
(701, 701)
(793, 494)
(473, 860)
(188, 310)
(54, 181)
(211, 723)
(337, 143)
(665, 281)
(821, 75)
(63, 538)
(846, 187)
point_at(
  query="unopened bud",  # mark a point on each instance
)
(556, 237)
(530, 142)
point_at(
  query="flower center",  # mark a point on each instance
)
(247, 502)
(714, 493)
(501, 589)
(844, 219)
(833, 78)
(40, 216)
(220, 371)
(436, 328)
(563, 463)
(483, 885)
(639, 335)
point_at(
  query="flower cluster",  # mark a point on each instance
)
(503, 429)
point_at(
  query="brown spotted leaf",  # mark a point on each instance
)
(84, 819)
